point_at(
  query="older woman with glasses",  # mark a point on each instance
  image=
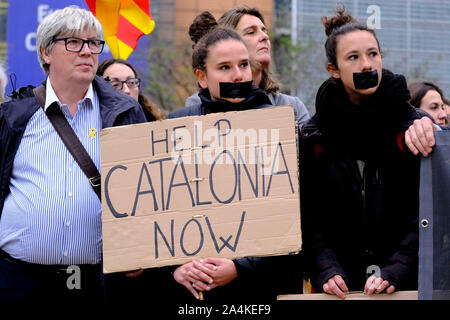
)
(124, 77)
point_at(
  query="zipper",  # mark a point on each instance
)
(362, 181)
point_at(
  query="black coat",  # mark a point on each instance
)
(353, 224)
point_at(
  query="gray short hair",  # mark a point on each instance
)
(64, 22)
(3, 81)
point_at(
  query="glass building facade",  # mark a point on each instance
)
(414, 34)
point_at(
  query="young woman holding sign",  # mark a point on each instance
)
(221, 63)
(249, 23)
(359, 187)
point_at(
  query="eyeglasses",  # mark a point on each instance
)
(118, 84)
(74, 44)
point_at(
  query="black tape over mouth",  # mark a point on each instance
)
(235, 89)
(365, 80)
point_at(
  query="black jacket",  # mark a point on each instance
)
(116, 109)
(353, 224)
(259, 279)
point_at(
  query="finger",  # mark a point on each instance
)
(209, 266)
(410, 144)
(335, 289)
(200, 286)
(192, 290)
(382, 287)
(422, 128)
(206, 268)
(369, 283)
(374, 285)
(181, 272)
(429, 129)
(341, 284)
(326, 288)
(195, 275)
(413, 141)
(201, 276)
(189, 276)
(390, 290)
(377, 284)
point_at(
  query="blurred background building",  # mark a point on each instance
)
(175, 16)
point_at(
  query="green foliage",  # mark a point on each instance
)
(300, 67)
(171, 79)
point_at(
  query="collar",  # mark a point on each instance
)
(50, 95)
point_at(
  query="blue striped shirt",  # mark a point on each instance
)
(52, 215)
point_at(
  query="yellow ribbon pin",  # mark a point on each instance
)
(92, 133)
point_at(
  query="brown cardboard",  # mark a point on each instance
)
(399, 295)
(209, 205)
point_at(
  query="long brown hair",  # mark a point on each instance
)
(205, 32)
(419, 89)
(231, 19)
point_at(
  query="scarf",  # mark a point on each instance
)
(366, 131)
(256, 99)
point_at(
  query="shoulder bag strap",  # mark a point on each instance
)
(70, 139)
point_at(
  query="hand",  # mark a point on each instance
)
(336, 286)
(134, 274)
(192, 272)
(420, 137)
(224, 271)
(377, 285)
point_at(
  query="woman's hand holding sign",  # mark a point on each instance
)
(206, 274)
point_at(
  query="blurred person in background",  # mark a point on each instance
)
(3, 83)
(122, 75)
(447, 109)
(429, 97)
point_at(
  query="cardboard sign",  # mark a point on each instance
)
(398, 295)
(222, 185)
